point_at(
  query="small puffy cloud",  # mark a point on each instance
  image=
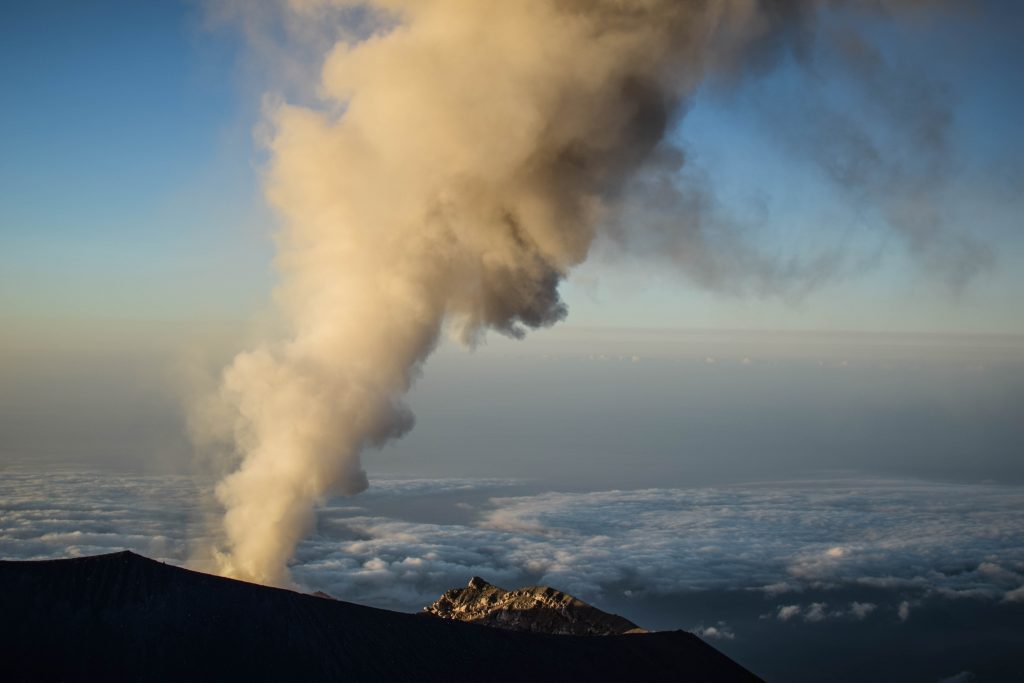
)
(860, 610)
(903, 610)
(1016, 595)
(787, 612)
(816, 612)
(720, 631)
(780, 588)
(992, 572)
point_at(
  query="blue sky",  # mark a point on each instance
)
(129, 186)
(135, 245)
(130, 181)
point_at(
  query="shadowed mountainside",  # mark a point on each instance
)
(123, 616)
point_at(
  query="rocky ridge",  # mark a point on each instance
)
(537, 609)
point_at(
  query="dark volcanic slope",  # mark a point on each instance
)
(123, 616)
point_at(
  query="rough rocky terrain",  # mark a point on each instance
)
(538, 609)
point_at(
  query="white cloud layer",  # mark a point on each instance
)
(381, 548)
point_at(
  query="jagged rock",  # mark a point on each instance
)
(321, 594)
(538, 609)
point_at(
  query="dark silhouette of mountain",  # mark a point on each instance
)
(122, 616)
(535, 608)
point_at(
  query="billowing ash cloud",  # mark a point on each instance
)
(459, 161)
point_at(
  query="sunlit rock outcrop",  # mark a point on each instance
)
(535, 608)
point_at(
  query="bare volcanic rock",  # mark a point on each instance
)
(123, 617)
(536, 608)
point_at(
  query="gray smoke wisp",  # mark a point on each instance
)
(903, 165)
(458, 159)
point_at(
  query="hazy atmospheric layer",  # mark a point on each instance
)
(460, 160)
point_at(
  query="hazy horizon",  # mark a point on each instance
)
(941, 406)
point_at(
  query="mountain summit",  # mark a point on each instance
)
(538, 609)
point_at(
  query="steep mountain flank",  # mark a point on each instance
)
(122, 616)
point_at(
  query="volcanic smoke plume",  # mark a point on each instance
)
(460, 160)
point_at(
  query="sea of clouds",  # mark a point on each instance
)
(827, 570)
(403, 542)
